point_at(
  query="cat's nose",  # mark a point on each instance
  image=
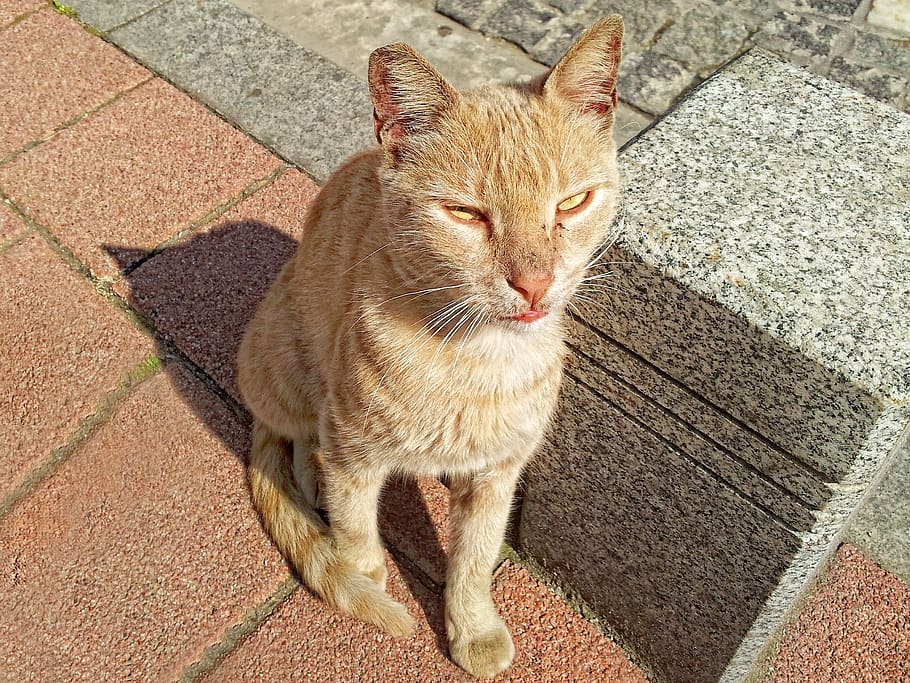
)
(531, 287)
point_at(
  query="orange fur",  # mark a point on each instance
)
(402, 338)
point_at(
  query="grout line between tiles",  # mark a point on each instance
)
(195, 225)
(234, 636)
(19, 18)
(86, 427)
(74, 121)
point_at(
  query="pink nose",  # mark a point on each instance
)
(532, 288)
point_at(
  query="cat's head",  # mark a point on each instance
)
(500, 195)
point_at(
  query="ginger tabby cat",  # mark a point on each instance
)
(419, 327)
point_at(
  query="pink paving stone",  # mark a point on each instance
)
(53, 70)
(140, 551)
(10, 224)
(552, 642)
(62, 348)
(133, 174)
(202, 291)
(414, 520)
(306, 641)
(13, 9)
(854, 629)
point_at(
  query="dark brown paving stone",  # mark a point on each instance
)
(53, 70)
(62, 348)
(140, 550)
(855, 628)
(133, 174)
(202, 292)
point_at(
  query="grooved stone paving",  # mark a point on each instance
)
(133, 174)
(760, 287)
(140, 550)
(61, 84)
(55, 328)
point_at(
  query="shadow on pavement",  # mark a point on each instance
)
(198, 295)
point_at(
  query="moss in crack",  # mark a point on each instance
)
(64, 9)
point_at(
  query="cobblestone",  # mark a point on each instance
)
(652, 82)
(671, 45)
(704, 38)
(798, 36)
(870, 80)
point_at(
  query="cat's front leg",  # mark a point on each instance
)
(478, 512)
(351, 497)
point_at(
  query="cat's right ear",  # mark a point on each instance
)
(408, 94)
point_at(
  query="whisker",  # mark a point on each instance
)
(375, 251)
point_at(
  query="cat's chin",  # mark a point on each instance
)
(531, 321)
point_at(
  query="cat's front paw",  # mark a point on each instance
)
(485, 654)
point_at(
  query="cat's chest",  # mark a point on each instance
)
(467, 414)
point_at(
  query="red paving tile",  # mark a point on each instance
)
(305, 641)
(133, 174)
(53, 70)
(11, 10)
(854, 628)
(414, 519)
(553, 643)
(139, 551)
(62, 347)
(202, 291)
(10, 224)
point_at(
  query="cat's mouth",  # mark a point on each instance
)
(529, 316)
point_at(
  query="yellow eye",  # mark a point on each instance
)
(574, 201)
(465, 213)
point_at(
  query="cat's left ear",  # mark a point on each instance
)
(408, 94)
(586, 75)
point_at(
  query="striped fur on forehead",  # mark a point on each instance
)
(508, 151)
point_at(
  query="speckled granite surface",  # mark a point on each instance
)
(744, 377)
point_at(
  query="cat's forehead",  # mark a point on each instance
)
(503, 141)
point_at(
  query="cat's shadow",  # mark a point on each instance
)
(198, 296)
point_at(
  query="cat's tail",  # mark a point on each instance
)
(303, 538)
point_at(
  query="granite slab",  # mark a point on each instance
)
(307, 109)
(747, 365)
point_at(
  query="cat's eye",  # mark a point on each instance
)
(465, 213)
(573, 202)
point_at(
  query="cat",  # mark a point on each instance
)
(419, 327)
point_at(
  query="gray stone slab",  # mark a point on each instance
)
(670, 556)
(747, 363)
(881, 526)
(798, 36)
(869, 80)
(872, 49)
(347, 32)
(106, 14)
(652, 82)
(309, 110)
(704, 38)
